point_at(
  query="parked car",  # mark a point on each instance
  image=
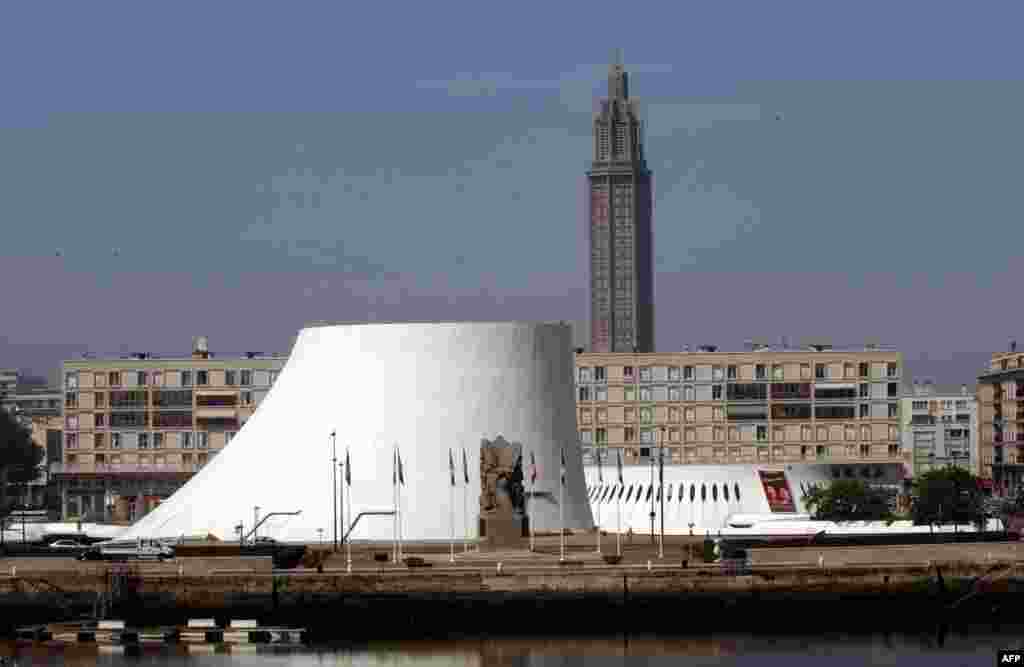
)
(68, 545)
(137, 550)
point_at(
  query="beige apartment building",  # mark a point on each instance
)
(135, 429)
(1000, 396)
(766, 405)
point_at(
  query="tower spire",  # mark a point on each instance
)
(618, 80)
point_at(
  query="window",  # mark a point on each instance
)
(99, 440)
(186, 441)
(630, 434)
(673, 373)
(587, 436)
(186, 378)
(629, 394)
(894, 450)
(601, 434)
(716, 373)
(583, 374)
(894, 410)
(819, 371)
(891, 370)
(645, 374)
(646, 415)
(114, 379)
(202, 440)
(229, 378)
(584, 393)
(100, 399)
(864, 410)
(202, 378)
(762, 433)
(141, 378)
(71, 440)
(731, 373)
(115, 441)
(71, 381)
(158, 441)
(246, 398)
(627, 373)
(863, 369)
(600, 393)
(143, 441)
(71, 400)
(716, 392)
(157, 378)
(273, 376)
(777, 373)
(919, 405)
(646, 394)
(894, 389)
(687, 372)
(688, 393)
(760, 372)
(674, 393)
(247, 378)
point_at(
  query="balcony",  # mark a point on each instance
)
(216, 413)
(124, 468)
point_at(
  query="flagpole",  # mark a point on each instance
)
(533, 495)
(334, 485)
(451, 505)
(561, 507)
(618, 520)
(600, 480)
(398, 491)
(348, 506)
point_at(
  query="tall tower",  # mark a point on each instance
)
(621, 208)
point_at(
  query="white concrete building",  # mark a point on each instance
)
(940, 428)
(428, 389)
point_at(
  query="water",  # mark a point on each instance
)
(740, 650)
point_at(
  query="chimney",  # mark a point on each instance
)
(200, 347)
(963, 390)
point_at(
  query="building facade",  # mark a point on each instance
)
(1001, 421)
(39, 411)
(135, 429)
(620, 230)
(940, 429)
(764, 406)
(8, 381)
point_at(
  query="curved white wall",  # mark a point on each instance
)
(426, 387)
(727, 490)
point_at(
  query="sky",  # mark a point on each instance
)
(237, 169)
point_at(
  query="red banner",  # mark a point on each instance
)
(776, 489)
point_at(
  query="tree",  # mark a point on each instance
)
(19, 457)
(848, 500)
(947, 495)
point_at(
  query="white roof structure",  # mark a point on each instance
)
(425, 387)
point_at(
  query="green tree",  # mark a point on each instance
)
(948, 495)
(19, 457)
(848, 500)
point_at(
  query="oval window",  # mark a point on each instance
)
(714, 492)
(725, 491)
(736, 491)
(703, 493)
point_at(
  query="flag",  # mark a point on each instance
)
(600, 475)
(619, 466)
(533, 469)
(348, 469)
(451, 466)
(401, 477)
(465, 466)
(563, 465)
(661, 467)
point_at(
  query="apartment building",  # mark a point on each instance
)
(136, 428)
(939, 428)
(764, 405)
(39, 410)
(1001, 420)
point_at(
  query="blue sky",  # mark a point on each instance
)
(258, 165)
